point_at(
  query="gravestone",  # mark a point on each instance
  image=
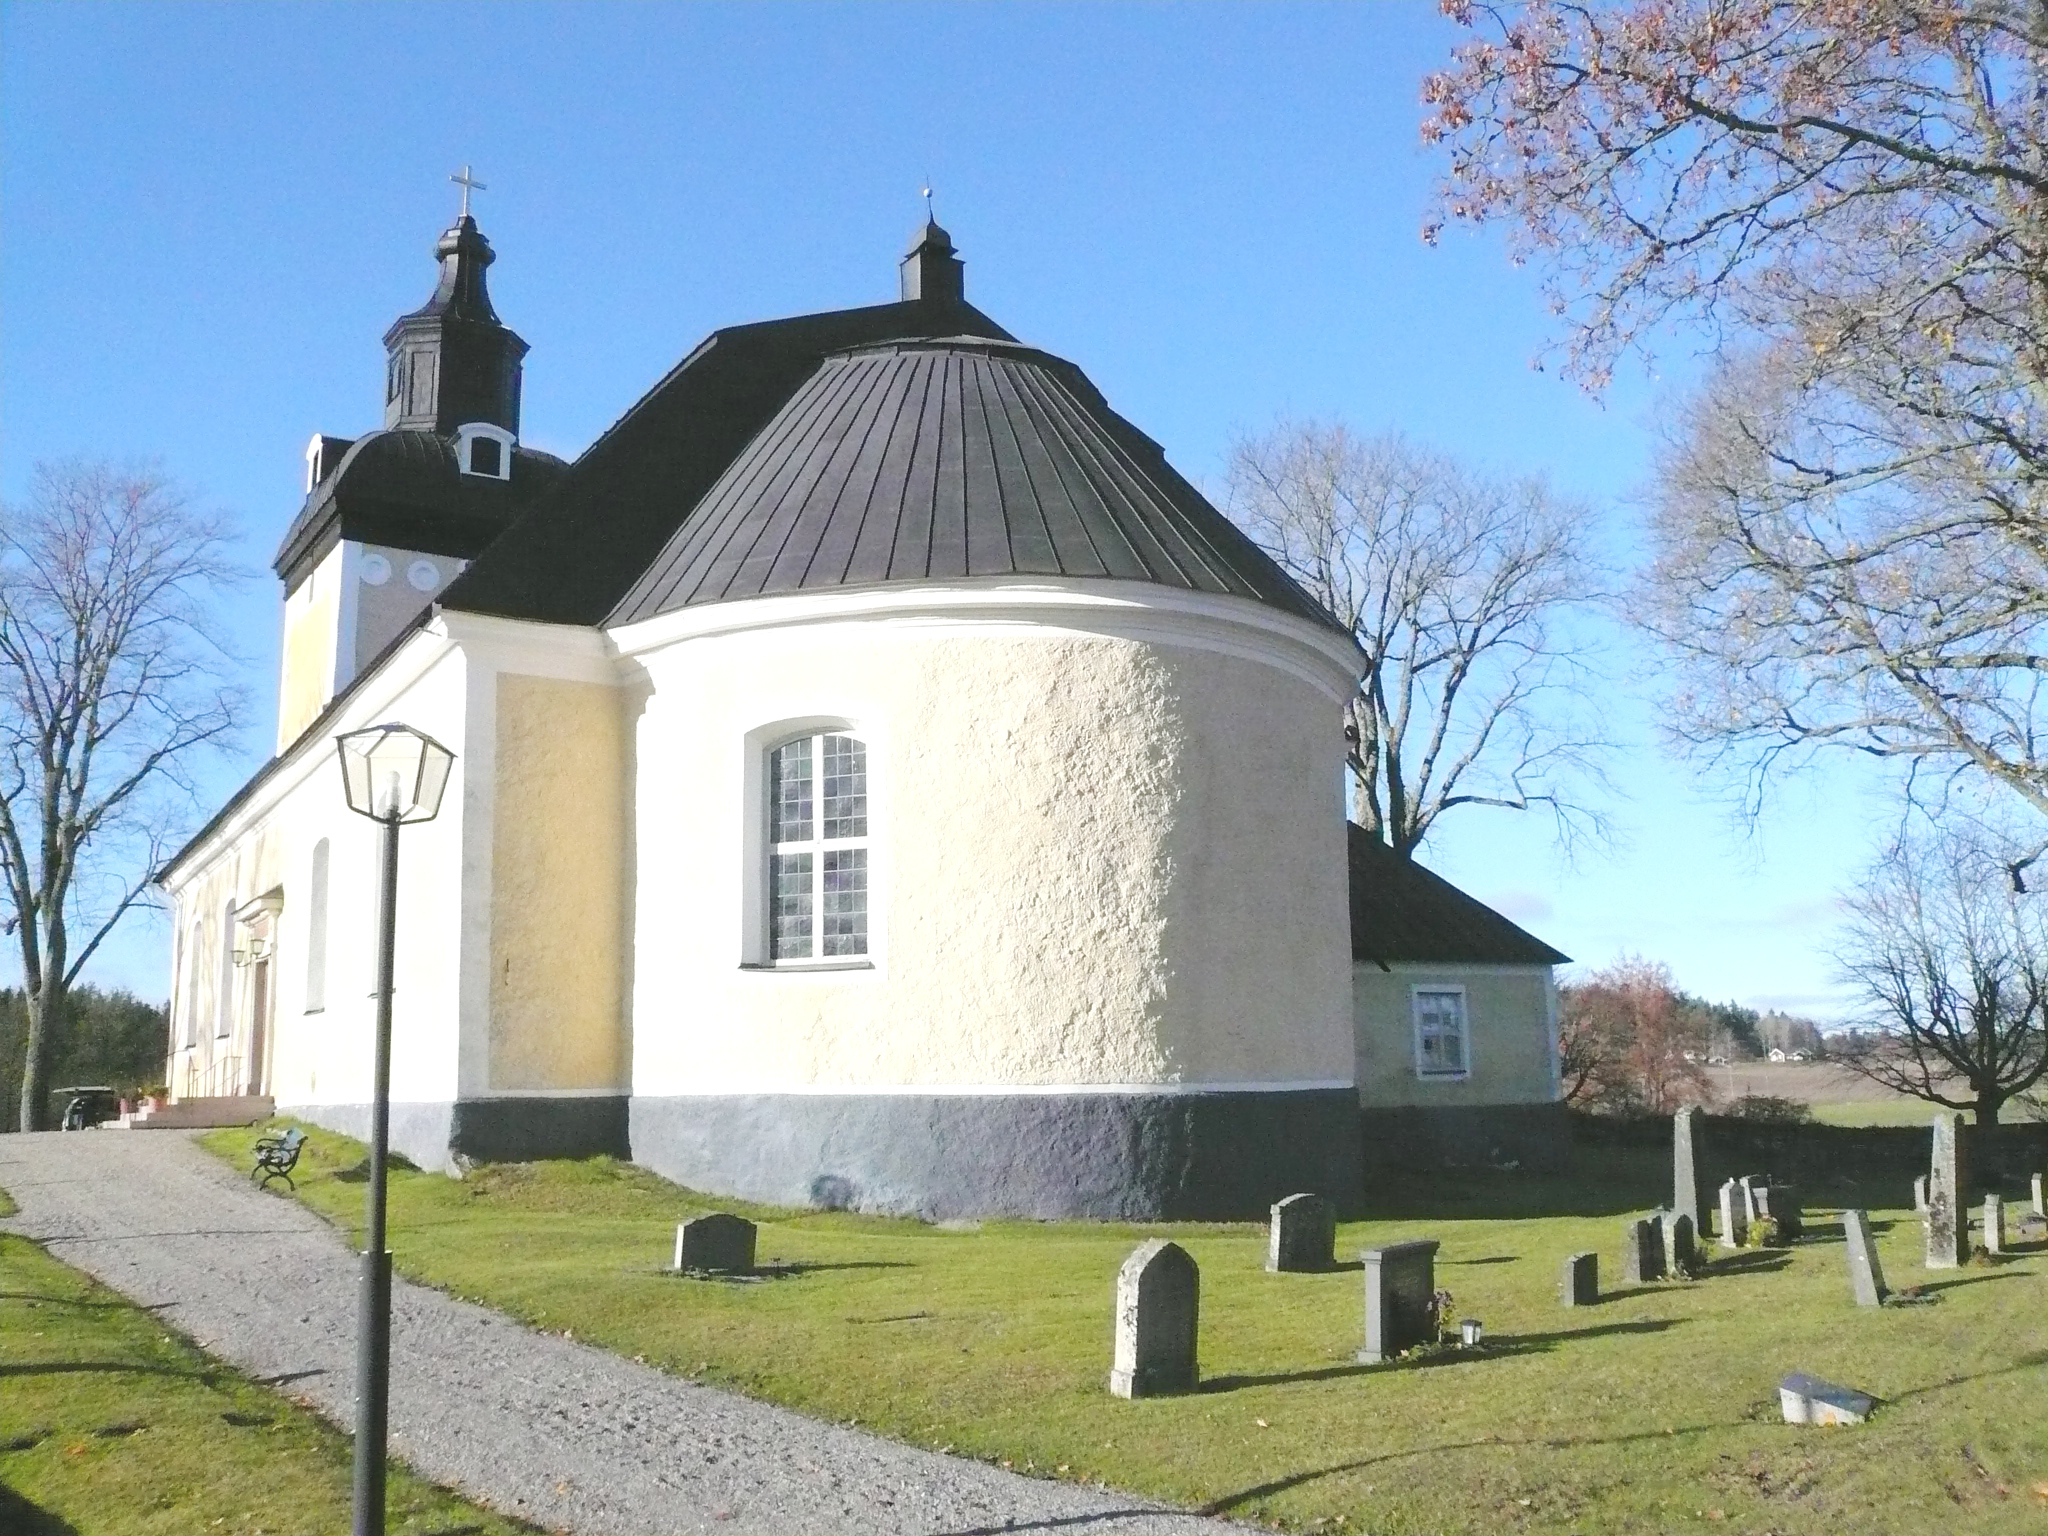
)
(1581, 1286)
(1681, 1252)
(1866, 1274)
(1753, 1185)
(1158, 1294)
(1780, 1202)
(2040, 1197)
(1734, 1216)
(719, 1242)
(1686, 1189)
(1948, 1223)
(1642, 1254)
(1920, 1194)
(1400, 1299)
(1994, 1224)
(1805, 1399)
(1303, 1235)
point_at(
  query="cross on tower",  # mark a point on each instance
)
(469, 184)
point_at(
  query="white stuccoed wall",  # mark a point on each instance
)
(1107, 833)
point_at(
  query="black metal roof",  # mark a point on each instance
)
(946, 459)
(1400, 912)
(584, 544)
(404, 488)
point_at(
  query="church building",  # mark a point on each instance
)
(881, 781)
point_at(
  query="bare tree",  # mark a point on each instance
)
(1463, 591)
(112, 679)
(1952, 965)
(1852, 197)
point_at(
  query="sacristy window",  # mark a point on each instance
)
(1440, 1031)
(817, 875)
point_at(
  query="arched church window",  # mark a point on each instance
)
(316, 931)
(817, 876)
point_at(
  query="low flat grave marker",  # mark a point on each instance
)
(1400, 1299)
(1581, 1284)
(1302, 1237)
(1807, 1399)
(720, 1243)
(1866, 1273)
(1948, 1223)
(1994, 1224)
(1158, 1301)
(1734, 1216)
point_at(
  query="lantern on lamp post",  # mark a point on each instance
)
(392, 774)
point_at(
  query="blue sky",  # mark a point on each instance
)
(213, 211)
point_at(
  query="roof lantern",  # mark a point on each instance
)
(931, 270)
(452, 361)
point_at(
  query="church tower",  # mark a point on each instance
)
(392, 517)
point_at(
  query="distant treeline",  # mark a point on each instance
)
(113, 1038)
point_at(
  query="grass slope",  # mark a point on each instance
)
(1655, 1410)
(110, 1426)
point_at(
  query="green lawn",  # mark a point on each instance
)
(1653, 1410)
(110, 1426)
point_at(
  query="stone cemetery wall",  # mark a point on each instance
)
(1873, 1164)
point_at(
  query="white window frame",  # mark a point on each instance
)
(1416, 993)
(757, 941)
(466, 436)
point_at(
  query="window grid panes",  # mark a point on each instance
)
(817, 854)
(1440, 1034)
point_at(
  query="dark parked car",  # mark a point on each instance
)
(88, 1106)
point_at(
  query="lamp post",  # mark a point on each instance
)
(392, 774)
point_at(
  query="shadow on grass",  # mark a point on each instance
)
(1930, 1286)
(72, 1301)
(1243, 1496)
(1752, 1261)
(109, 1367)
(22, 1518)
(1498, 1258)
(2025, 1363)
(774, 1270)
(1499, 1347)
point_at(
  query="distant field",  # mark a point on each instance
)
(1812, 1082)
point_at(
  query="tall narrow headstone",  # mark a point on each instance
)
(2040, 1196)
(1687, 1192)
(1994, 1224)
(1642, 1253)
(1920, 1194)
(1581, 1287)
(1866, 1274)
(1400, 1299)
(1734, 1216)
(1158, 1293)
(1752, 1196)
(1948, 1223)
(1303, 1235)
(1681, 1252)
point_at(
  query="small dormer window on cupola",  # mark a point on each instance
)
(484, 449)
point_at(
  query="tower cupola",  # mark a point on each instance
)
(932, 270)
(452, 362)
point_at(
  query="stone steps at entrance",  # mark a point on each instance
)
(187, 1114)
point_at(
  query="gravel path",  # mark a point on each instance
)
(565, 1435)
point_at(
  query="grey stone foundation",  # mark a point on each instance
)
(486, 1130)
(1125, 1156)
